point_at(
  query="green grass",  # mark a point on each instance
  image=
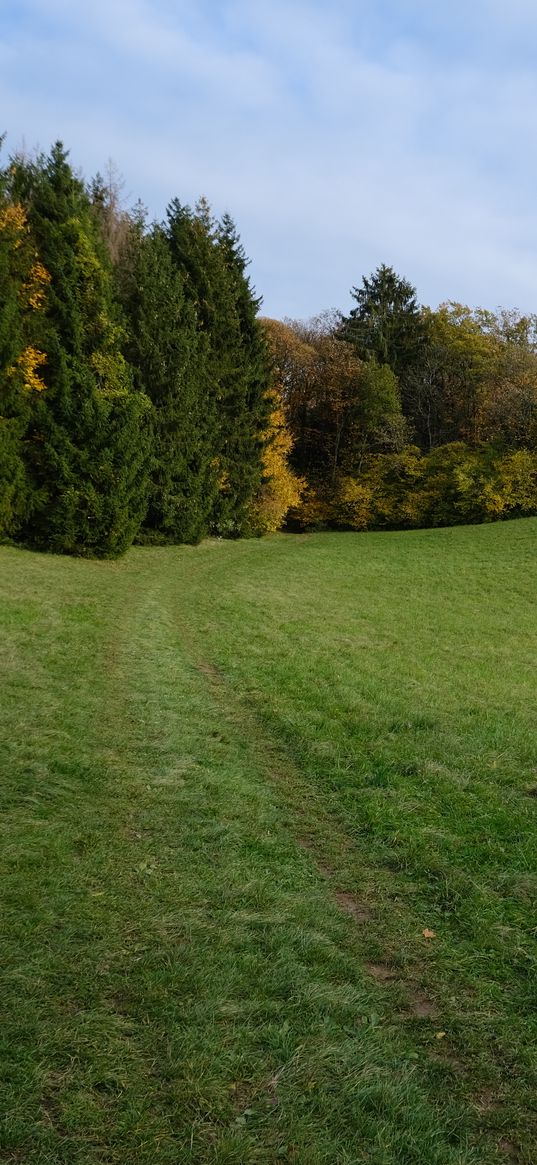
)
(238, 784)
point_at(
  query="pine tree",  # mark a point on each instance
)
(23, 284)
(386, 324)
(13, 407)
(88, 451)
(167, 354)
(246, 408)
(191, 236)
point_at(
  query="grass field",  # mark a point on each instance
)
(268, 861)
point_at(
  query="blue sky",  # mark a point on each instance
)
(339, 135)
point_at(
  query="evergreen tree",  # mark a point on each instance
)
(89, 449)
(212, 265)
(13, 407)
(190, 235)
(168, 357)
(23, 283)
(386, 323)
(246, 408)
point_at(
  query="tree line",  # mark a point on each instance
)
(136, 397)
(143, 399)
(402, 416)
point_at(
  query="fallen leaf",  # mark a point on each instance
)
(428, 933)
(440, 1035)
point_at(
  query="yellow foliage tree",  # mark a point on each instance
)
(35, 288)
(23, 282)
(281, 489)
(353, 504)
(31, 279)
(25, 368)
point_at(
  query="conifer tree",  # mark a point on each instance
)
(167, 354)
(23, 283)
(209, 286)
(13, 407)
(246, 409)
(88, 451)
(386, 324)
(190, 234)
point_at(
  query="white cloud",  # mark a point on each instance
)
(336, 138)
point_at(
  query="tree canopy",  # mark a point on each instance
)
(143, 398)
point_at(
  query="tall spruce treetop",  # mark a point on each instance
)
(191, 237)
(386, 323)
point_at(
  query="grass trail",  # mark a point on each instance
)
(239, 782)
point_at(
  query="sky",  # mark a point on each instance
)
(339, 135)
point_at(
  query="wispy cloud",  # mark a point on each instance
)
(338, 137)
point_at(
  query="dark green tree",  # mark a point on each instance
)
(212, 264)
(88, 446)
(15, 404)
(191, 237)
(168, 355)
(245, 409)
(386, 323)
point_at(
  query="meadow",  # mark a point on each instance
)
(268, 858)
